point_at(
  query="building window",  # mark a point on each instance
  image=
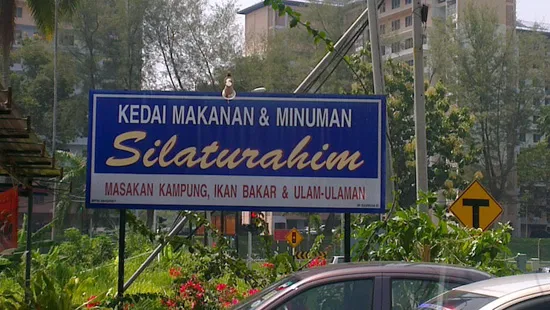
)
(38, 199)
(18, 37)
(547, 101)
(408, 1)
(395, 25)
(383, 7)
(395, 47)
(536, 138)
(408, 43)
(395, 4)
(280, 20)
(408, 21)
(522, 137)
(19, 12)
(382, 29)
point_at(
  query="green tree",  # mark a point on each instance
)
(190, 40)
(411, 235)
(33, 91)
(448, 129)
(534, 179)
(282, 59)
(42, 11)
(72, 188)
(498, 75)
(110, 49)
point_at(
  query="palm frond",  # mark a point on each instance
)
(43, 12)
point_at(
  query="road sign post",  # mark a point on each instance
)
(476, 208)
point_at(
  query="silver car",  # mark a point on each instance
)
(521, 292)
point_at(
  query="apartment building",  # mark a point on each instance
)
(25, 27)
(395, 22)
(260, 20)
(535, 225)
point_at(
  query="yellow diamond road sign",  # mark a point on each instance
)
(476, 208)
(294, 238)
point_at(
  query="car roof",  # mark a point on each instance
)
(393, 267)
(498, 287)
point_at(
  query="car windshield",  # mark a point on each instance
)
(457, 300)
(258, 299)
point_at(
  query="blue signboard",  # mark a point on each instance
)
(167, 150)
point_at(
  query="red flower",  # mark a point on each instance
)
(169, 303)
(221, 287)
(91, 304)
(175, 273)
(268, 265)
(253, 215)
(316, 262)
(253, 291)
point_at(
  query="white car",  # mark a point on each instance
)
(521, 292)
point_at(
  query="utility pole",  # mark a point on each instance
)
(419, 104)
(54, 125)
(379, 87)
(375, 48)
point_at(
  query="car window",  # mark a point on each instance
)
(349, 295)
(539, 303)
(457, 300)
(410, 293)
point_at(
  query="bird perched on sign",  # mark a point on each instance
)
(228, 91)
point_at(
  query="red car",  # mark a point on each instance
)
(362, 286)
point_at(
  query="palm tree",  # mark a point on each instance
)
(43, 12)
(72, 187)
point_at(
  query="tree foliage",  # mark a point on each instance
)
(34, 96)
(188, 41)
(410, 235)
(281, 59)
(43, 13)
(498, 75)
(534, 179)
(447, 128)
(108, 47)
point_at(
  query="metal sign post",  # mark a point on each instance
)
(28, 252)
(121, 248)
(347, 237)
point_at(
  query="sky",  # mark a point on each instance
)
(527, 10)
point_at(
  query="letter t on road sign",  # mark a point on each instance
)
(475, 204)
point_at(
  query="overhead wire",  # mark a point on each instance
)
(347, 46)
